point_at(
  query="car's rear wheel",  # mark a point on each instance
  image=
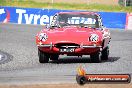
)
(43, 57)
(54, 57)
(105, 53)
(95, 57)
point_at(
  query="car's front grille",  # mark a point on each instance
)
(66, 45)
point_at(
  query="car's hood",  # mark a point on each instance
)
(71, 34)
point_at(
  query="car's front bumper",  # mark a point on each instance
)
(82, 49)
(81, 46)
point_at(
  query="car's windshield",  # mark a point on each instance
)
(82, 20)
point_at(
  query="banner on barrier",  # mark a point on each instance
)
(26, 15)
(44, 16)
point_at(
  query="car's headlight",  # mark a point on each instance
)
(43, 37)
(94, 38)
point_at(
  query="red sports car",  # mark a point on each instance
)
(74, 34)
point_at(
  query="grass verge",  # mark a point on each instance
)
(91, 7)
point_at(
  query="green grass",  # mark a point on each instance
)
(91, 7)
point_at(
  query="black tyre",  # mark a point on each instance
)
(80, 80)
(43, 57)
(105, 53)
(54, 57)
(95, 57)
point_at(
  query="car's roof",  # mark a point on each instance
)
(93, 13)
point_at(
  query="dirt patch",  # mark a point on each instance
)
(69, 86)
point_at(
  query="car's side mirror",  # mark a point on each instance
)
(102, 26)
(47, 26)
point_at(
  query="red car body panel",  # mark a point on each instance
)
(73, 36)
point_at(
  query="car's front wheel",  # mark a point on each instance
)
(95, 57)
(43, 57)
(105, 53)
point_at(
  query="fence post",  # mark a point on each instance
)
(125, 3)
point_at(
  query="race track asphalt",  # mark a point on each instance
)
(18, 41)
